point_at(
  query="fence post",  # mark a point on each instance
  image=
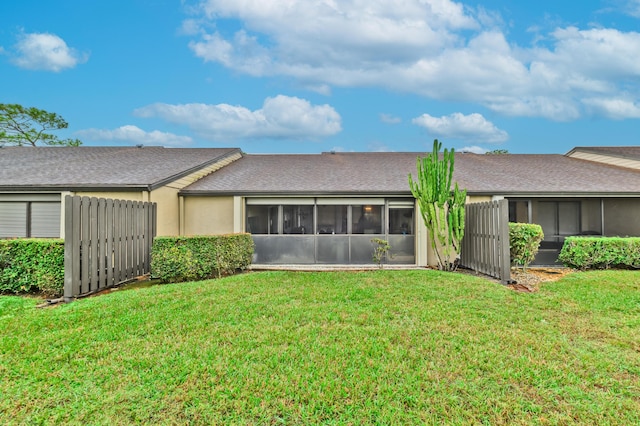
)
(505, 273)
(72, 221)
(68, 256)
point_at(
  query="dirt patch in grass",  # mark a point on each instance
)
(529, 280)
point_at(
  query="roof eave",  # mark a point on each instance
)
(557, 194)
(88, 187)
(205, 193)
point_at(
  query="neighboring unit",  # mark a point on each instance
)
(34, 181)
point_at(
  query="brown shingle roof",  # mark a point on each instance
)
(100, 167)
(386, 173)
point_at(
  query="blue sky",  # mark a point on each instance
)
(306, 76)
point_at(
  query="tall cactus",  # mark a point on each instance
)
(442, 208)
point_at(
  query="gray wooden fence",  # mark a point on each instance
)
(107, 242)
(485, 246)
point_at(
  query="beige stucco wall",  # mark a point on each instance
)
(168, 213)
(209, 215)
(166, 199)
(479, 198)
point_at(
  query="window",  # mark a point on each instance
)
(401, 221)
(519, 211)
(332, 219)
(297, 219)
(19, 219)
(367, 219)
(559, 219)
(13, 219)
(262, 219)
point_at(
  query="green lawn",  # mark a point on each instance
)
(379, 347)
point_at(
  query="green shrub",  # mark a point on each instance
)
(601, 252)
(29, 265)
(524, 241)
(176, 259)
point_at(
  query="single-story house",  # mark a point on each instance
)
(323, 208)
(34, 182)
(320, 208)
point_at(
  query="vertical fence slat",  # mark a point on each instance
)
(72, 247)
(504, 242)
(138, 239)
(102, 244)
(109, 241)
(84, 244)
(129, 268)
(134, 238)
(70, 237)
(122, 240)
(93, 244)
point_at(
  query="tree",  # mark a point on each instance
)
(442, 209)
(21, 126)
(497, 152)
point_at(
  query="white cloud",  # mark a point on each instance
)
(439, 49)
(390, 119)
(280, 117)
(616, 109)
(214, 48)
(301, 39)
(472, 127)
(134, 135)
(190, 27)
(48, 52)
(632, 8)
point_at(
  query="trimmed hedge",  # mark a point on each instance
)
(601, 252)
(29, 265)
(524, 241)
(176, 259)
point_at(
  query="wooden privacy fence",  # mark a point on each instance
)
(485, 246)
(106, 242)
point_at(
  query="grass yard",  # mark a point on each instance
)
(379, 347)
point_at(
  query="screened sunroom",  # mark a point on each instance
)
(330, 230)
(564, 217)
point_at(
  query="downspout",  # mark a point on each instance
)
(602, 216)
(181, 215)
